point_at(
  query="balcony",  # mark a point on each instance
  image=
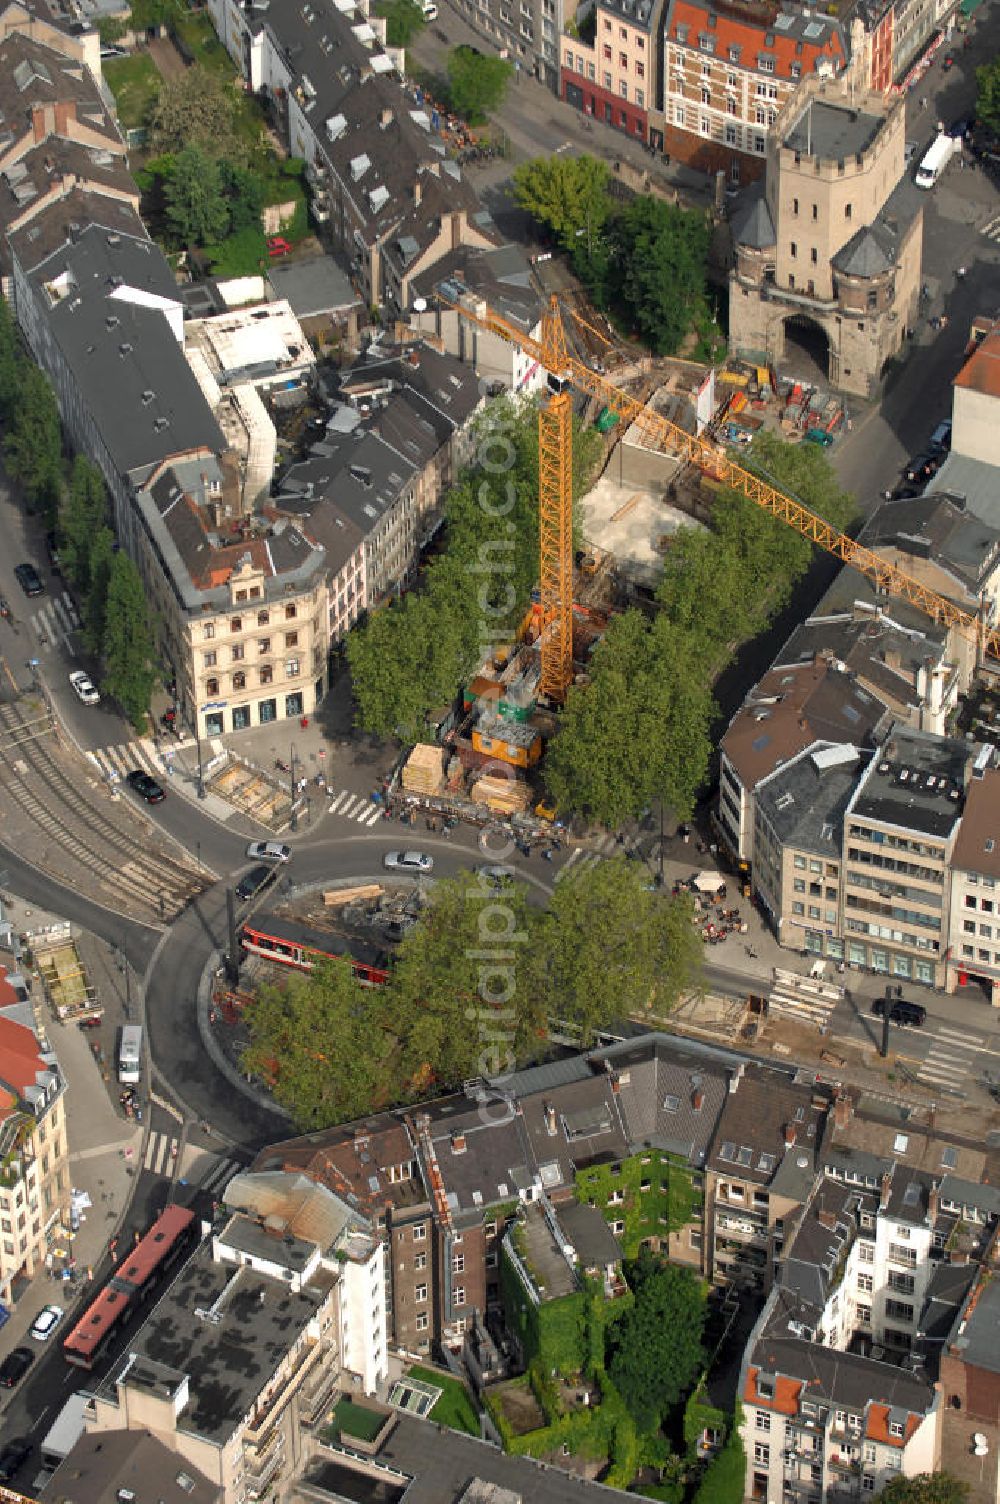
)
(810, 302)
(844, 1466)
(261, 1469)
(316, 1398)
(260, 1428)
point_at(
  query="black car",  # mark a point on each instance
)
(13, 1457)
(923, 466)
(909, 1015)
(147, 788)
(52, 549)
(27, 577)
(15, 1366)
(257, 878)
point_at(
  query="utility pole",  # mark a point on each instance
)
(295, 816)
(201, 768)
(128, 980)
(232, 952)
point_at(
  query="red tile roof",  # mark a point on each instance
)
(20, 1061)
(877, 1426)
(731, 31)
(785, 1398)
(981, 372)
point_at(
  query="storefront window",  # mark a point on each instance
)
(835, 949)
(856, 953)
(924, 971)
(241, 717)
(814, 942)
(880, 960)
(214, 723)
(268, 711)
(293, 704)
(901, 966)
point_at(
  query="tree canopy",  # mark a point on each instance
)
(404, 20)
(411, 657)
(198, 109)
(84, 513)
(653, 272)
(568, 196)
(641, 730)
(32, 445)
(130, 671)
(988, 96)
(477, 83)
(926, 1488)
(654, 1350)
(472, 990)
(194, 206)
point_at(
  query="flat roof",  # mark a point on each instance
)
(832, 132)
(916, 781)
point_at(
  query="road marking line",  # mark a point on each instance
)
(376, 814)
(339, 801)
(363, 815)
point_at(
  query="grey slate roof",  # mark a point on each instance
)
(832, 132)
(805, 800)
(753, 224)
(863, 255)
(917, 782)
(939, 527)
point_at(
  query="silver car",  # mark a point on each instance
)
(269, 851)
(408, 861)
(45, 1323)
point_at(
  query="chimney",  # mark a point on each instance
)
(827, 1218)
(550, 1119)
(418, 190)
(457, 226)
(458, 1143)
(883, 1201)
(791, 1134)
(842, 1109)
(386, 118)
(697, 1101)
(65, 113)
(736, 1076)
(933, 1203)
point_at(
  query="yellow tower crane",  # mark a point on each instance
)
(563, 371)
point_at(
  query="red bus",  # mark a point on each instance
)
(291, 944)
(129, 1286)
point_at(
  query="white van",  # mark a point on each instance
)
(130, 1055)
(429, 9)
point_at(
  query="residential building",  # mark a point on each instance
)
(34, 1155)
(760, 1170)
(100, 1466)
(614, 79)
(245, 1349)
(794, 705)
(970, 1379)
(976, 402)
(53, 27)
(829, 253)
(727, 72)
(914, 23)
(526, 32)
(377, 171)
(901, 826)
(498, 279)
(973, 952)
(798, 845)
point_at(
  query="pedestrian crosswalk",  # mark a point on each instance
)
(950, 1057)
(992, 229)
(805, 1000)
(55, 622)
(113, 763)
(356, 807)
(580, 858)
(198, 1167)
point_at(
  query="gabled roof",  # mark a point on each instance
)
(981, 372)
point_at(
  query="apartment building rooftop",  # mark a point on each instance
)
(286, 1201)
(33, 75)
(915, 781)
(371, 1164)
(442, 389)
(977, 848)
(805, 800)
(975, 1340)
(769, 1131)
(938, 527)
(105, 1467)
(785, 1372)
(27, 1071)
(832, 132)
(671, 1092)
(219, 1332)
(742, 33)
(360, 473)
(38, 237)
(482, 1152)
(501, 276)
(981, 372)
(312, 286)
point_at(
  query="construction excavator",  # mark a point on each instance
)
(564, 372)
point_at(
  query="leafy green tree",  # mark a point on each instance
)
(460, 996)
(110, 29)
(608, 948)
(244, 195)
(926, 1488)
(196, 210)
(405, 21)
(567, 195)
(320, 1041)
(32, 446)
(988, 96)
(477, 83)
(147, 14)
(725, 1477)
(12, 359)
(83, 515)
(102, 557)
(129, 664)
(655, 1349)
(197, 109)
(663, 254)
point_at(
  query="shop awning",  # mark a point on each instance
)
(968, 6)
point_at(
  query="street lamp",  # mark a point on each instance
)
(295, 815)
(201, 769)
(128, 981)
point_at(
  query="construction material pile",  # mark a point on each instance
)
(424, 773)
(505, 796)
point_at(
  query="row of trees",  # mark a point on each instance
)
(411, 657)
(640, 731)
(605, 948)
(113, 607)
(644, 261)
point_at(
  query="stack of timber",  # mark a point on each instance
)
(505, 796)
(424, 771)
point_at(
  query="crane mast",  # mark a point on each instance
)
(555, 498)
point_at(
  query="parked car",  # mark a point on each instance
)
(27, 577)
(13, 1457)
(269, 851)
(15, 1366)
(910, 150)
(949, 61)
(922, 466)
(86, 689)
(908, 1015)
(277, 245)
(52, 549)
(407, 861)
(45, 1323)
(494, 873)
(147, 788)
(941, 437)
(819, 436)
(250, 884)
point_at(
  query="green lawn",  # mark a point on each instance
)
(196, 31)
(455, 1407)
(135, 84)
(356, 1420)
